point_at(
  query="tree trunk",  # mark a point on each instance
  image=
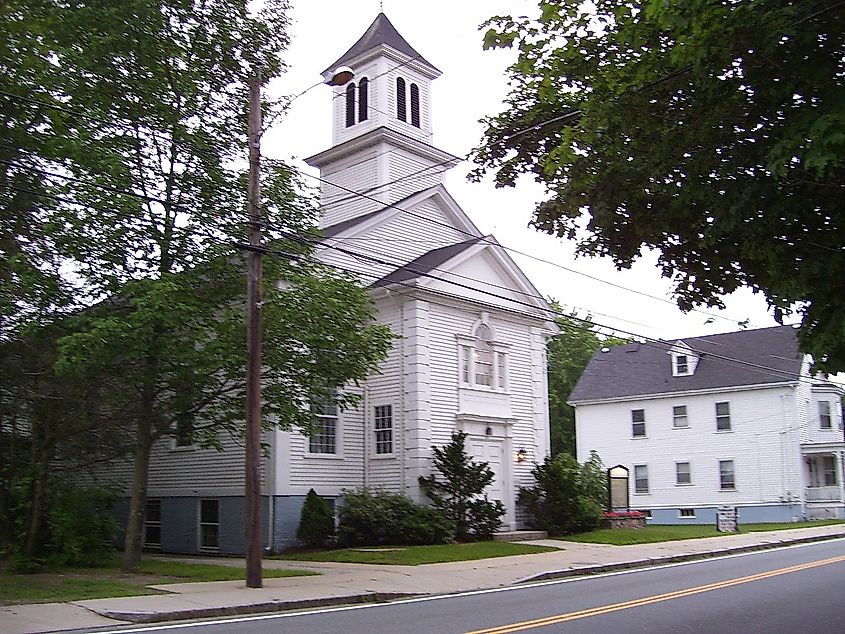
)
(41, 470)
(135, 522)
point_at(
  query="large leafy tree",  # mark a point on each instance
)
(137, 151)
(710, 131)
(568, 354)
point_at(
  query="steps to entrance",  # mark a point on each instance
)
(519, 536)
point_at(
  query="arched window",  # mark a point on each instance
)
(401, 104)
(350, 105)
(363, 85)
(483, 356)
(482, 359)
(415, 105)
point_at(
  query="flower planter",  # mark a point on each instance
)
(623, 519)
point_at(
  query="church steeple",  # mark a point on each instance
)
(381, 126)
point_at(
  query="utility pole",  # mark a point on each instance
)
(252, 473)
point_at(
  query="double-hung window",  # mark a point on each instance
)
(209, 524)
(723, 416)
(152, 524)
(640, 478)
(683, 474)
(323, 439)
(726, 475)
(383, 424)
(679, 416)
(825, 421)
(638, 423)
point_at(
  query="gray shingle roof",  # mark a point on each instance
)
(747, 357)
(381, 31)
(426, 263)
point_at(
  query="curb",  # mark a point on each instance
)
(252, 608)
(671, 559)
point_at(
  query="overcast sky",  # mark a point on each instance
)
(472, 86)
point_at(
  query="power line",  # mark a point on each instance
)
(650, 341)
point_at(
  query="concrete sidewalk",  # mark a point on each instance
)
(348, 583)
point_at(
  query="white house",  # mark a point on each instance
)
(732, 419)
(471, 352)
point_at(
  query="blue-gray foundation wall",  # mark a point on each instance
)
(747, 515)
(180, 524)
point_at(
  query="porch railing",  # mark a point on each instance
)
(824, 494)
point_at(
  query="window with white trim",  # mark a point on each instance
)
(640, 478)
(825, 420)
(681, 365)
(723, 416)
(415, 105)
(686, 513)
(679, 416)
(727, 482)
(209, 524)
(323, 438)
(683, 474)
(638, 423)
(152, 524)
(383, 425)
(483, 362)
(363, 99)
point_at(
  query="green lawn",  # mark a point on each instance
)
(416, 555)
(666, 533)
(75, 584)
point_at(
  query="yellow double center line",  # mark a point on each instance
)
(606, 609)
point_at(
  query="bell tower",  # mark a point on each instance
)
(381, 127)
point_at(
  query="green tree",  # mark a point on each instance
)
(566, 498)
(459, 493)
(316, 523)
(710, 131)
(568, 355)
(139, 148)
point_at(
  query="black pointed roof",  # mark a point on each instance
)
(426, 263)
(381, 31)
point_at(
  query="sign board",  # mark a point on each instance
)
(617, 488)
(727, 519)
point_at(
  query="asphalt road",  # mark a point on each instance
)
(795, 589)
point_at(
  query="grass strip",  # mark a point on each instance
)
(666, 532)
(78, 584)
(417, 555)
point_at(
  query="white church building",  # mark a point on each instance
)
(472, 330)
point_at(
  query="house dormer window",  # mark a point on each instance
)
(482, 359)
(683, 361)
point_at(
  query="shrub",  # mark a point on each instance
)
(458, 496)
(316, 523)
(566, 498)
(370, 518)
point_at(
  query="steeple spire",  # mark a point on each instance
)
(381, 32)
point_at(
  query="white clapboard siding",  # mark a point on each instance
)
(763, 443)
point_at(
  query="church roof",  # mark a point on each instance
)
(426, 263)
(381, 31)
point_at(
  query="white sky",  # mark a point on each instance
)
(472, 86)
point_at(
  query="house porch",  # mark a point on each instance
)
(824, 478)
